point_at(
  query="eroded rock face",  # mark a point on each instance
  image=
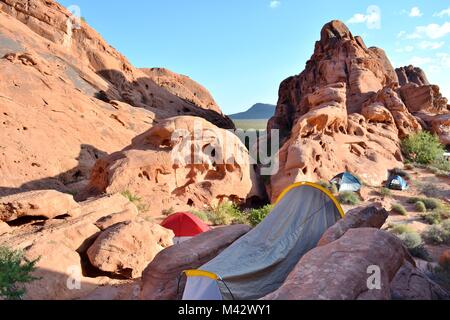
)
(372, 216)
(4, 228)
(339, 270)
(347, 112)
(181, 163)
(60, 246)
(127, 248)
(87, 100)
(341, 113)
(412, 284)
(46, 203)
(411, 74)
(160, 279)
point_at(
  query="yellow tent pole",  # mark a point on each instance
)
(316, 186)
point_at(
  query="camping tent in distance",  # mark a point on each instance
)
(259, 262)
(185, 226)
(397, 183)
(347, 182)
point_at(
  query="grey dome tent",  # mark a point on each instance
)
(259, 262)
(397, 183)
(347, 182)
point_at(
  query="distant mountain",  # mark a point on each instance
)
(259, 111)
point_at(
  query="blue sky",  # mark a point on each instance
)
(241, 50)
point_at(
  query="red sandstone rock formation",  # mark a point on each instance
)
(346, 112)
(67, 98)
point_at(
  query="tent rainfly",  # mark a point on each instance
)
(185, 226)
(259, 262)
(397, 183)
(347, 182)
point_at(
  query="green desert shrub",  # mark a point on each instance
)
(420, 207)
(432, 218)
(201, 215)
(15, 272)
(437, 216)
(439, 234)
(423, 148)
(141, 206)
(430, 203)
(399, 229)
(256, 216)
(329, 186)
(385, 193)
(224, 214)
(415, 245)
(349, 198)
(400, 209)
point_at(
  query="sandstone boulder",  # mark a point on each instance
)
(341, 113)
(181, 163)
(160, 279)
(88, 100)
(47, 203)
(127, 248)
(341, 269)
(412, 284)
(4, 228)
(411, 74)
(372, 216)
(59, 272)
(129, 214)
(426, 98)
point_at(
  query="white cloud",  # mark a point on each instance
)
(275, 4)
(431, 45)
(443, 13)
(432, 31)
(415, 12)
(405, 49)
(372, 19)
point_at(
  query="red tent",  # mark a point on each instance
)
(185, 224)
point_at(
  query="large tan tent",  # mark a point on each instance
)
(259, 262)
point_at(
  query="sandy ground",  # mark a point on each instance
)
(421, 181)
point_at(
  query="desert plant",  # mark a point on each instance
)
(423, 148)
(414, 243)
(439, 234)
(385, 193)
(399, 229)
(437, 216)
(400, 209)
(349, 198)
(329, 186)
(256, 216)
(201, 215)
(420, 207)
(141, 206)
(224, 214)
(168, 212)
(15, 272)
(430, 203)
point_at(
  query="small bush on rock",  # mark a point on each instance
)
(256, 216)
(349, 198)
(15, 272)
